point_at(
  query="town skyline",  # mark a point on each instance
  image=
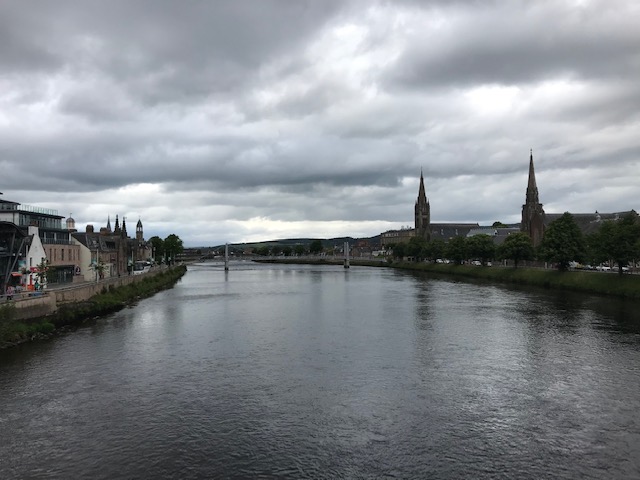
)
(248, 122)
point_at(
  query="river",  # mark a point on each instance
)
(293, 371)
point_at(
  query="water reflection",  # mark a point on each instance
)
(322, 372)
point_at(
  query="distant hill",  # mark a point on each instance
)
(291, 242)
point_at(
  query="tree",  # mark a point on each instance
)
(286, 250)
(400, 250)
(436, 249)
(99, 268)
(315, 247)
(172, 247)
(498, 224)
(43, 272)
(416, 248)
(457, 250)
(563, 242)
(299, 249)
(517, 247)
(481, 247)
(263, 251)
(617, 240)
(157, 245)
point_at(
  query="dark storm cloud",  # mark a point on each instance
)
(521, 42)
(278, 117)
(156, 51)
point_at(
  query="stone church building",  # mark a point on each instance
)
(533, 220)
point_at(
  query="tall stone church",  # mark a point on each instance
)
(422, 214)
(533, 216)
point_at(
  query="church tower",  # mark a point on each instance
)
(139, 234)
(422, 213)
(532, 212)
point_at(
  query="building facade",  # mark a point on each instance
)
(111, 253)
(61, 254)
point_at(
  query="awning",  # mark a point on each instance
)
(16, 274)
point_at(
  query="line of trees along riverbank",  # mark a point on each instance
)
(624, 286)
(614, 243)
(111, 299)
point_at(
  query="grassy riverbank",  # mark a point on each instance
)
(625, 286)
(13, 332)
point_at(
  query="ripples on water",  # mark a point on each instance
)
(318, 372)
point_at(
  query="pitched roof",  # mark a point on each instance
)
(587, 222)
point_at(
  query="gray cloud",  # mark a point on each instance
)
(520, 43)
(245, 120)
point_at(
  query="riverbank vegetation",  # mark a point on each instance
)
(601, 283)
(111, 299)
(627, 286)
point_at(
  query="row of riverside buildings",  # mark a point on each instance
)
(534, 220)
(31, 236)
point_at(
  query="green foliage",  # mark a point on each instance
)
(616, 240)
(299, 249)
(315, 247)
(15, 331)
(98, 267)
(481, 247)
(563, 242)
(436, 249)
(43, 271)
(416, 248)
(7, 312)
(400, 250)
(517, 247)
(457, 250)
(627, 286)
(172, 247)
(263, 251)
(286, 251)
(44, 327)
(498, 224)
(158, 248)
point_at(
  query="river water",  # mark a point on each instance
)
(287, 371)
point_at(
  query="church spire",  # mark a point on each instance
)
(421, 192)
(532, 188)
(422, 215)
(533, 216)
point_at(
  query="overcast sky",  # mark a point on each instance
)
(255, 120)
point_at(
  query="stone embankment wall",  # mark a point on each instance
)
(47, 302)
